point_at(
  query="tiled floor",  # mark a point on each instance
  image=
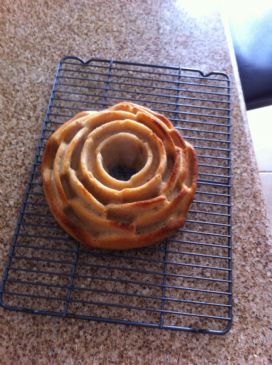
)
(260, 123)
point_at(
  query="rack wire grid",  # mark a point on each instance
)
(183, 283)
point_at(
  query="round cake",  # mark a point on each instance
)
(119, 178)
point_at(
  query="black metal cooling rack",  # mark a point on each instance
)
(183, 283)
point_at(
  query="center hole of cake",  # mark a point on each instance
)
(123, 156)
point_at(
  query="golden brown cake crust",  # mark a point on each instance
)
(119, 178)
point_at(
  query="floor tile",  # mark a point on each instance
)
(266, 179)
(260, 124)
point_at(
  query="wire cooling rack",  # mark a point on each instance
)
(183, 283)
